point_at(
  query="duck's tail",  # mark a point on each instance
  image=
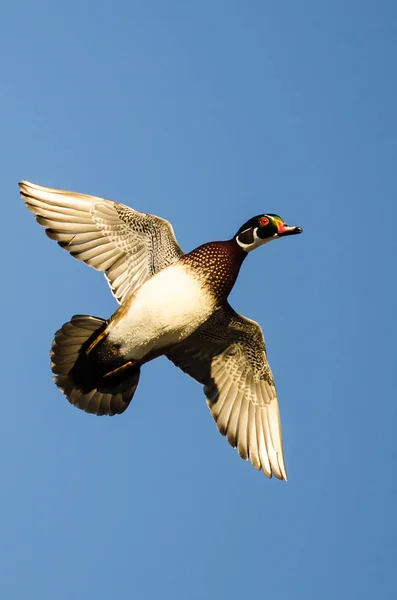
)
(90, 371)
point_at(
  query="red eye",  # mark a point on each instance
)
(263, 221)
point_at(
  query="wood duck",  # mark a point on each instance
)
(171, 304)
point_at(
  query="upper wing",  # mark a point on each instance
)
(227, 355)
(127, 245)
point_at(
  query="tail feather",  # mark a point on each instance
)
(84, 377)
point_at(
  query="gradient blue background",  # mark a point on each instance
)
(205, 113)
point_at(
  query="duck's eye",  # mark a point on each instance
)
(263, 221)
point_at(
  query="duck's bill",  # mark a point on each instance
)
(284, 230)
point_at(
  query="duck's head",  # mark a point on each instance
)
(262, 229)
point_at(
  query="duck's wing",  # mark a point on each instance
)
(127, 245)
(227, 355)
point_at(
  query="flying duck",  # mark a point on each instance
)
(171, 304)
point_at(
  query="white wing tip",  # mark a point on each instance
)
(25, 183)
(27, 186)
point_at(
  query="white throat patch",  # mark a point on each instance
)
(257, 241)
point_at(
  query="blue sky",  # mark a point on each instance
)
(205, 113)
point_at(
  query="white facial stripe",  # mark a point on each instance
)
(257, 241)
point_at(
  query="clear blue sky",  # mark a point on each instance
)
(206, 113)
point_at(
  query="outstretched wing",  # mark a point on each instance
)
(127, 245)
(227, 355)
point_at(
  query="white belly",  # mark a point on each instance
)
(163, 311)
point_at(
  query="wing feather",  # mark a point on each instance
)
(228, 356)
(127, 245)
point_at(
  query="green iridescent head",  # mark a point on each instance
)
(262, 229)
